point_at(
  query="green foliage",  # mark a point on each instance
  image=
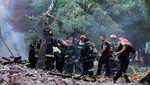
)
(39, 6)
(95, 17)
(147, 5)
(81, 17)
(33, 38)
(29, 18)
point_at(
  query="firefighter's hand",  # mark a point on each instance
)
(117, 54)
(136, 59)
(100, 54)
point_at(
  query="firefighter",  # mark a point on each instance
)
(123, 55)
(114, 45)
(57, 58)
(79, 47)
(104, 56)
(71, 38)
(81, 43)
(71, 53)
(32, 58)
(52, 52)
(62, 46)
(87, 58)
(146, 55)
(113, 42)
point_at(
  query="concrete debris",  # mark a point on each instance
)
(8, 60)
(18, 75)
(5, 77)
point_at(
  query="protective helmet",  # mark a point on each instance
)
(69, 42)
(121, 38)
(82, 36)
(113, 36)
(125, 42)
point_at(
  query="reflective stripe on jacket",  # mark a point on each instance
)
(49, 55)
(56, 49)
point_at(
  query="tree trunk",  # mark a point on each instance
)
(43, 47)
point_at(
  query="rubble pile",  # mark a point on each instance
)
(19, 75)
(11, 59)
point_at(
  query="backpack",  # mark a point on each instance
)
(91, 54)
(90, 49)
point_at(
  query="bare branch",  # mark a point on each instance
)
(51, 7)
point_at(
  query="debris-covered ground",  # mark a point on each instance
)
(19, 75)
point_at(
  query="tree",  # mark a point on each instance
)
(83, 17)
(96, 17)
(46, 17)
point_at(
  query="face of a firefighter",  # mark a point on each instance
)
(102, 38)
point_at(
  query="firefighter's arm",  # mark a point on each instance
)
(136, 56)
(123, 49)
(103, 49)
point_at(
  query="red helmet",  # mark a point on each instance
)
(121, 38)
(125, 41)
(113, 36)
(69, 42)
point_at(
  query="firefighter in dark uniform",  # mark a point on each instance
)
(52, 53)
(123, 55)
(87, 58)
(71, 53)
(104, 56)
(81, 41)
(79, 47)
(114, 45)
(113, 42)
(32, 58)
(71, 38)
(62, 46)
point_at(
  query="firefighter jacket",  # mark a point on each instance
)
(52, 47)
(71, 52)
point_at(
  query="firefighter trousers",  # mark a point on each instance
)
(68, 68)
(122, 71)
(33, 61)
(78, 67)
(88, 65)
(104, 60)
(49, 63)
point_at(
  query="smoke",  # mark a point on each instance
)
(18, 11)
(129, 18)
(11, 26)
(125, 14)
(122, 18)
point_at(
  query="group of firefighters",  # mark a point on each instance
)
(77, 57)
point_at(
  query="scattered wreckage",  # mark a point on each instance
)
(14, 73)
